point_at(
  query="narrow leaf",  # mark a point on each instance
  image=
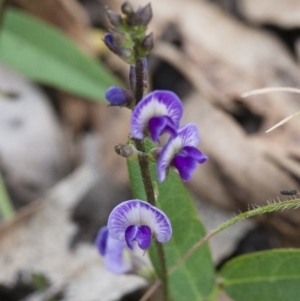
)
(194, 280)
(263, 276)
(45, 54)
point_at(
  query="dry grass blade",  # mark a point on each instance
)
(269, 90)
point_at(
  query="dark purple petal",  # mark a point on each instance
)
(117, 260)
(143, 237)
(101, 240)
(117, 96)
(159, 125)
(194, 153)
(130, 234)
(185, 166)
(137, 212)
(155, 104)
(142, 234)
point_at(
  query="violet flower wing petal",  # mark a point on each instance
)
(137, 212)
(157, 103)
(117, 258)
(101, 240)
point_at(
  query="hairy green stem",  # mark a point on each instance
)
(291, 204)
(146, 176)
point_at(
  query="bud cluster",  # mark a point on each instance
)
(127, 37)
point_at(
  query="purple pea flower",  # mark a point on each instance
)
(114, 252)
(158, 112)
(136, 220)
(181, 152)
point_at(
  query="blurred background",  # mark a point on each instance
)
(58, 165)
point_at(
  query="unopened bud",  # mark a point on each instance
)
(117, 96)
(144, 15)
(110, 43)
(114, 19)
(154, 154)
(127, 8)
(117, 37)
(148, 42)
(127, 151)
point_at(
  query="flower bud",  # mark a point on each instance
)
(110, 43)
(154, 154)
(148, 42)
(114, 19)
(127, 151)
(127, 8)
(118, 37)
(144, 15)
(117, 96)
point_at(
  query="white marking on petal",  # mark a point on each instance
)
(173, 146)
(157, 103)
(152, 108)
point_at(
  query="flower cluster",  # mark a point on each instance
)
(136, 222)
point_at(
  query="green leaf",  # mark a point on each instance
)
(263, 276)
(195, 279)
(45, 54)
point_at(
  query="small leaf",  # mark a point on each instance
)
(263, 276)
(45, 54)
(194, 279)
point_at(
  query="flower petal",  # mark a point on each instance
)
(160, 124)
(101, 240)
(185, 166)
(189, 135)
(117, 257)
(137, 212)
(142, 234)
(194, 153)
(166, 156)
(157, 103)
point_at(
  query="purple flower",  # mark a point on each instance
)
(136, 220)
(117, 96)
(114, 252)
(157, 113)
(181, 152)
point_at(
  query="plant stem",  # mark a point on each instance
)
(146, 176)
(145, 171)
(139, 80)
